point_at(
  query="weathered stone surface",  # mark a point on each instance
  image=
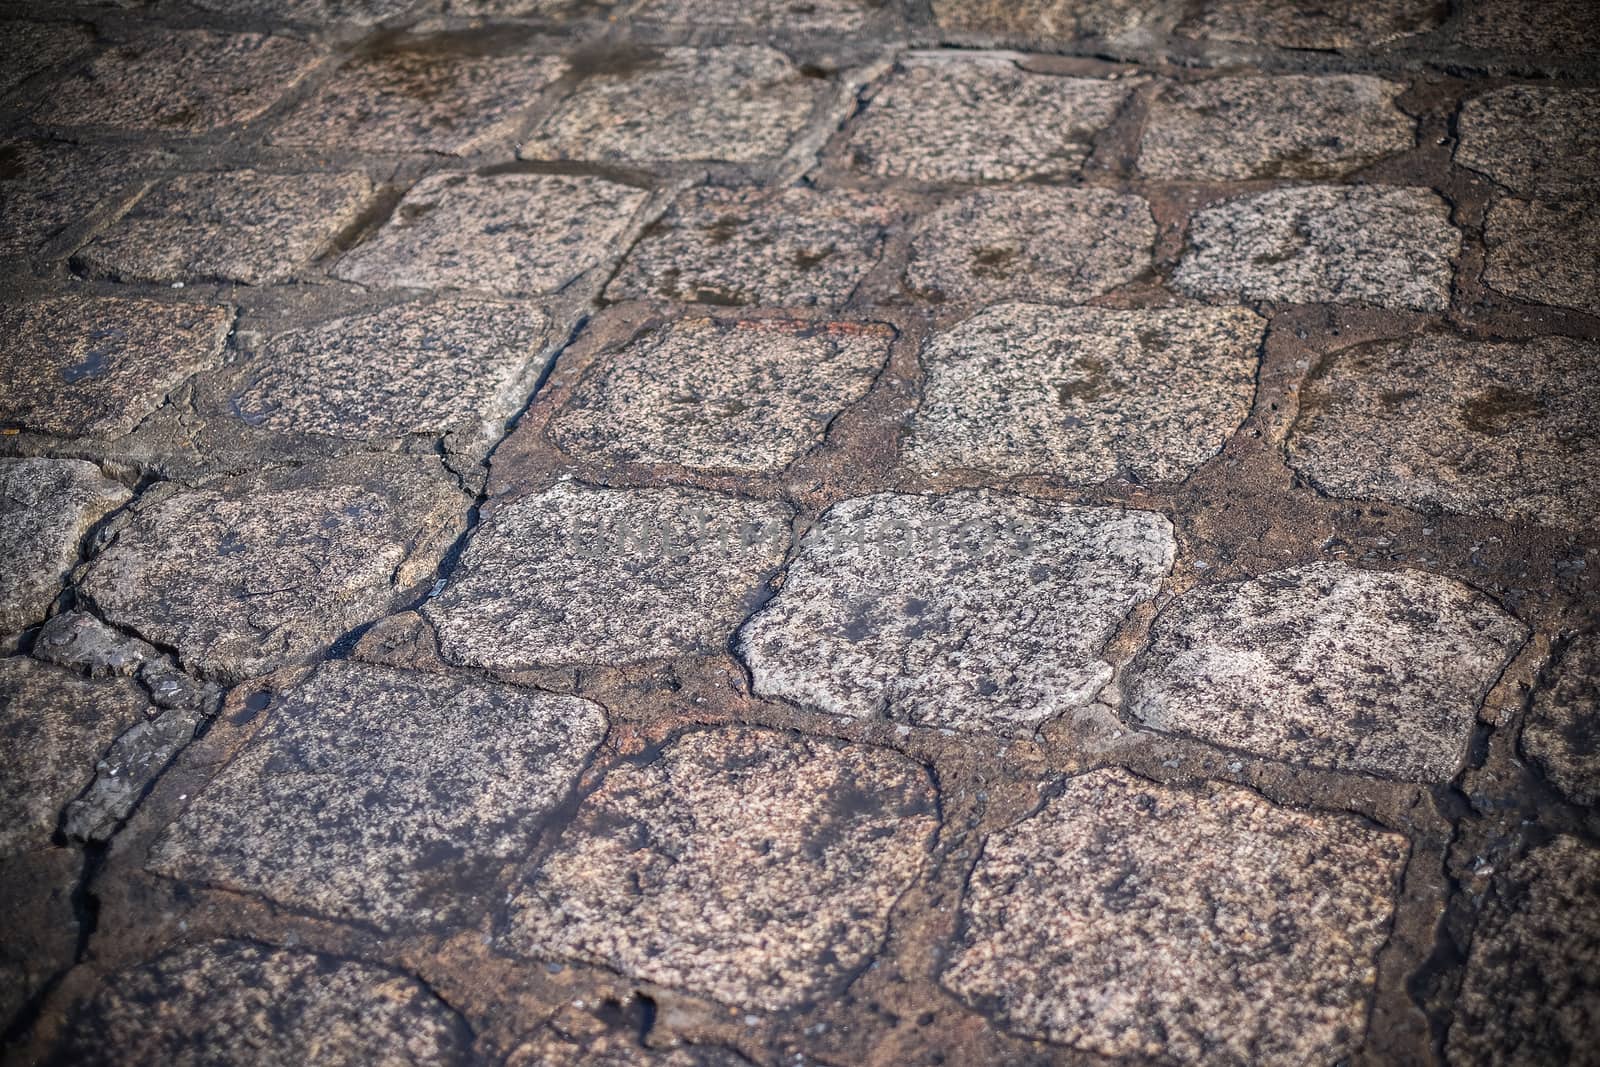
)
(1329, 666)
(1545, 253)
(1528, 996)
(46, 507)
(1045, 19)
(81, 365)
(239, 226)
(356, 12)
(454, 92)
(509, 234)
(417, 368)
(738, 104)
(586, 1041)
(746, 396)
(41, 940)
(1180, 924)
(751, 866)
(794, 16)
(230, 1004)
(80, 642)
(1531, 27)
(1085, 394)
(383, 796)
(1562, 735)
(245, 574)
(26, 48)
(1536, 141)
(180, 81)
(47, 186)
(1474, 427)
(1324, 244)
(1037, 243)
(54, 725)
(971, 611)
(1313, 24)
(955, 118)
(1294, 126)
(748, 246)
(579, 575)
(127, 769)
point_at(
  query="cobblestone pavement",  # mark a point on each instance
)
(839, 532)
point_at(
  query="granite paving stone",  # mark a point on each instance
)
(26, 48)
(1537, 141)
(975, 611)
(1047, 19)
(1562, 735)
(1544, 253)
(47, 186)
(46, 508)
(835, 17)
(316, 12)
(1311, 24)
(754, 867)
(1531, 27)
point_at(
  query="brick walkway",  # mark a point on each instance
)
(711, 532)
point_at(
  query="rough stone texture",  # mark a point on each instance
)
(232, 1004)
(54, 726)
(42, 932)
(455, 778)
(745, 396)
(1324, 244)
(836, 17)
(1038, 243)
(1313, 23)
(980, 119)
(26, 48)
(1294, 126)
(1045, 19)
(316, 12)
(1528, 996)
(1540, 142)
(1480, 428)
(80, 642)
(454, 93)
(1544, 253)
(578, 575)
(416, 368)
(1328, 666)
(46, 507)
(510, 234)
(81, 365)
(754, 867)
(747, 246)
(240, 226)
(599, 1045)
(128, 768)
(183, 81)
(1531, 27)
(1181, 924)
(738, 104)
(47, 186)
(1085, 394)
(1562, 735)
(245, 574)
(1000, 625)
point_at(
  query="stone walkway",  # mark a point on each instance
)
(843, 532)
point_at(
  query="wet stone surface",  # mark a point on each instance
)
(450, 782)
(46, 508)
(26, 48)
(1132, 919)
(1085, 394)
(1539, 142)
(578, 575)
(47, 186)
(999, 626)
(1544, 253)
(1562, 735)
(1363, 245)
(754, 867)
(747, 396)
(1311, 24)
(1498, 429)
(1328, 666)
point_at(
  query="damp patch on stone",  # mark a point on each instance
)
(46, 508)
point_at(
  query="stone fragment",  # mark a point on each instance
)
(46, 186)
(1545, 253)
(1324, 244)
(1562, 735)
(754, 867)
(428, 367)
(454, 92)
(1293, 126)
(126, 771)
(449, 782)
(1499, 429)
(736, 104)
(1539, 142)
(1528, 997)
(1312, 24)
(795, 248)
(37, 897)
(510, 234)
(180, 81)
(1032, 20)
(1328, 666)
(980, 119)
(972, 611)
(748, 396)
(1034, 243)
(245, 574)
(78, 365)
(1179, 924)
(1531, 27)
(1085, 394)
(238, 226)
(834, 17)
(233, 1004)
(46, 508)
(316, 12)
(26, 48)
(580, 575)
(80, 642)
